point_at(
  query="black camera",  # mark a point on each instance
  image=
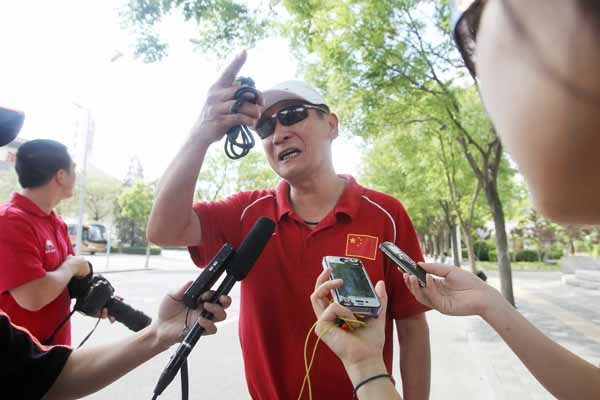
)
(94, 292)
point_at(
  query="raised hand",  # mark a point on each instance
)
(217, 117)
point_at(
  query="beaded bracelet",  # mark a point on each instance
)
(369, 380)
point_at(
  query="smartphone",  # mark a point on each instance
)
(403, 261)
(357, 292)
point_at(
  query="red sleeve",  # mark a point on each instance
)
(401, 301)
(220, 222)
(21, 258)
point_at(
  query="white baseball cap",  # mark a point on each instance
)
(292, 90)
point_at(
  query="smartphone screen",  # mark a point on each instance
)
(356, 282)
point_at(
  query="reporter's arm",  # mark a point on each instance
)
(415, 356)
(37, 294)
(561, 372)
(381, 388)
(89, 370)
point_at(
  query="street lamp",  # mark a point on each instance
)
(86, 144)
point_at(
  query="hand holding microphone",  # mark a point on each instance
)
(237, 269)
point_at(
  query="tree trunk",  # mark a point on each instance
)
(493, 199)
(470, 250)
(455, 246)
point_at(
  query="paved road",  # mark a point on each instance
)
(469, 360)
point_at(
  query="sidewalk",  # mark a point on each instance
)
(170, 260)
(470, 361)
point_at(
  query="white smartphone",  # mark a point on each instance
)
(357, 292)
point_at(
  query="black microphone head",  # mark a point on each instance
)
(250, 248)
(11, 122)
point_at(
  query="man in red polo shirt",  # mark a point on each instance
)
(318, 213)
(36, 262)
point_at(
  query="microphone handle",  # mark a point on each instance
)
(186, 346)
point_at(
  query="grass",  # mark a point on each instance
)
(521, 266)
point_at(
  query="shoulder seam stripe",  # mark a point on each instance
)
(386, 213)
(253, 203)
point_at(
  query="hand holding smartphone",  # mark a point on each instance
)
(357, 292)
(403, 261)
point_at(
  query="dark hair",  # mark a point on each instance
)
(39, 160)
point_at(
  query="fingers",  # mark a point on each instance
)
(178, 294)
(208, 325)
(323, 277)
(437, 269)
(216, 310)
(413, 285)
(231, 71)
(383, 299)
(225, 301)
(333, 311)
(320, 297)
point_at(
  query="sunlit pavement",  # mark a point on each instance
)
(469, 361)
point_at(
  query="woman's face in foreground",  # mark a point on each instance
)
(552, 133)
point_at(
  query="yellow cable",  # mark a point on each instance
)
(307, 365)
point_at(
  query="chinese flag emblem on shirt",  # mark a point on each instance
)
(362, 246)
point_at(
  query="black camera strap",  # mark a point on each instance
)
(90, 334)
(48, 341)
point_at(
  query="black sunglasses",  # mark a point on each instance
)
(467, 16)
(286, 116)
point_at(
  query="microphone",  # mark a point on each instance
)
(11, 122)
(241, 263)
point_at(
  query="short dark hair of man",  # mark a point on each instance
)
(39, 160)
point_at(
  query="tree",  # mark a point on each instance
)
(9, 183)
(101, 192)
(135, 204)
(221, 177)
(135, 171)
(222, 24)
(254, 173)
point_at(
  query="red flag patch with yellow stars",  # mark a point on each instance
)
(362, 246)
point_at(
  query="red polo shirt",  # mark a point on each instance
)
(276, 313)
(32, 243)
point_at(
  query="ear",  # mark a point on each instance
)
(333, 122)
(60, 177)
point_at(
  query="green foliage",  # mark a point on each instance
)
(136, 202)
(139, 250)
(101, 192)
(134, 205)
(9, 183)
(221, 177)
(482, 250)
(222, 25)
(527, 255)
(523, 266)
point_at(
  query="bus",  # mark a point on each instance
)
(93, 238)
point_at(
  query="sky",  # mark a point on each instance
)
(57, 66)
